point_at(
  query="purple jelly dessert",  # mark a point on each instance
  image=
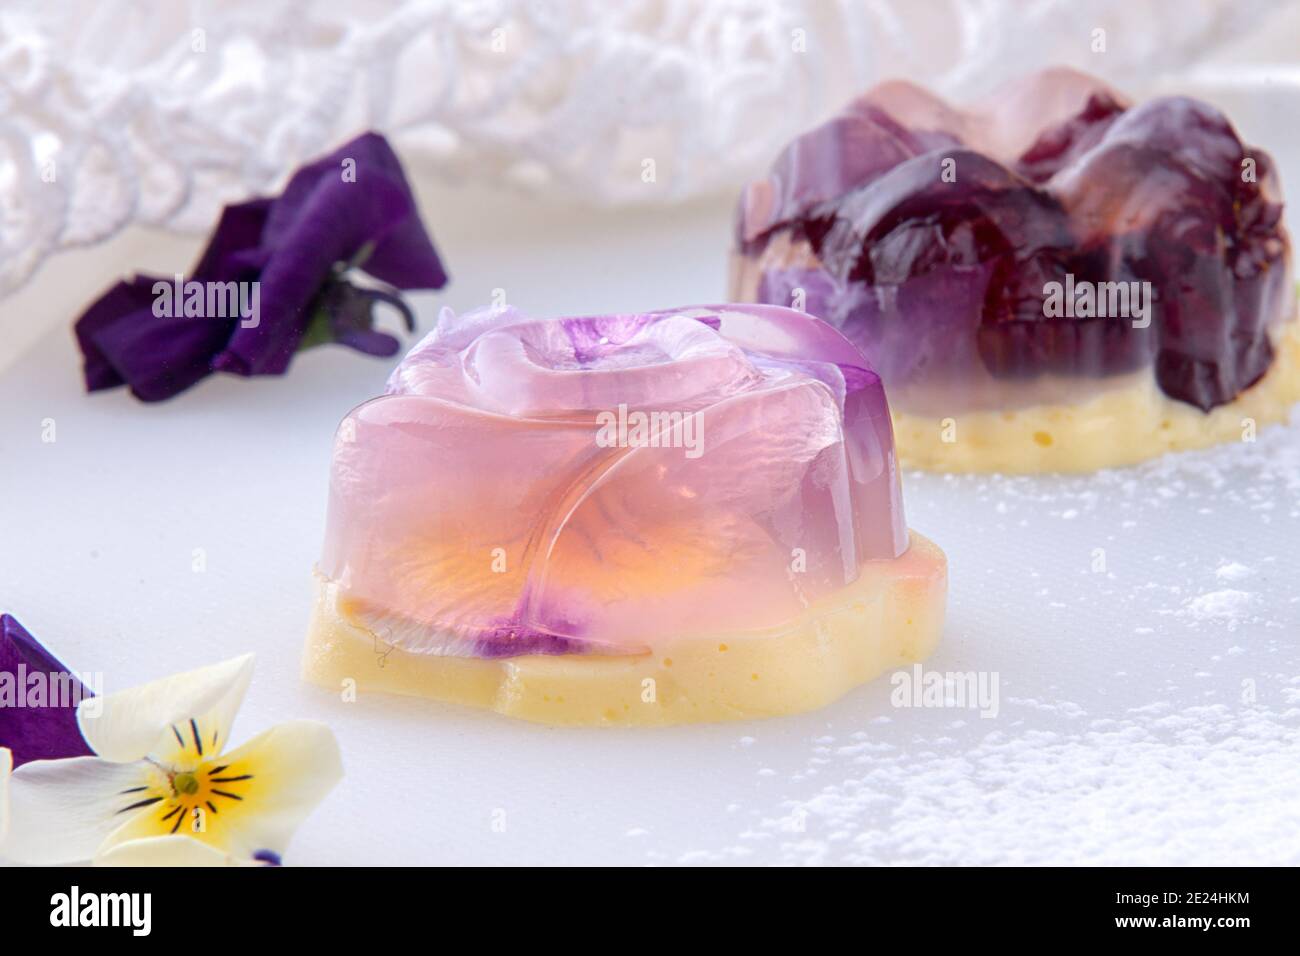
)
(1035, 251)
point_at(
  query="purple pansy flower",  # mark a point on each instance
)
(38, 699)
(272, 280)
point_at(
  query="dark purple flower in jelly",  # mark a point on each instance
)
(276, 277)
(38, 699)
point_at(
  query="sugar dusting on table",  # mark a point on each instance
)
(1165, 730)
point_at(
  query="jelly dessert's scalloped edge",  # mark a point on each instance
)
(891, 617)
(1119, 427)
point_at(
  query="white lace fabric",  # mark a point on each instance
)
(115, 112)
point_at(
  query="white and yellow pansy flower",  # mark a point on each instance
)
(163, 789)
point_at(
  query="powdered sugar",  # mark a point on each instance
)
(1227, 604)
(1150, 708)
(1233, 571)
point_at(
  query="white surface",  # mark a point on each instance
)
(1124, 732)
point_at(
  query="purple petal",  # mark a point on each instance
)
(47, 729)
(846, 153)
(403, 254)
(329, 214)
(321, 220)
(234, 249)
(369, 341)
(124, 298)
(595, 337)
(124, 342)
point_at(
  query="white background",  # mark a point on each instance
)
(1148, 713)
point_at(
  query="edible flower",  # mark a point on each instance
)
(38, 699)
(164, 787)
(278, 275)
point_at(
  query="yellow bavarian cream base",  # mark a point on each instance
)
(1118, 427)
(890, 617)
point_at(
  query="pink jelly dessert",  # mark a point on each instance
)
(606, 486)
(953, 245)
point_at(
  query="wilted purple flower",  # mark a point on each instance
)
(272, 280)
(38, 699)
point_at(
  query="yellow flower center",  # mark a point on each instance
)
(189, 794)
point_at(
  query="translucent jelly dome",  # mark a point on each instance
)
(597, 484)
(933, 238)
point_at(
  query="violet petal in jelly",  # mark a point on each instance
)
(935, 234)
